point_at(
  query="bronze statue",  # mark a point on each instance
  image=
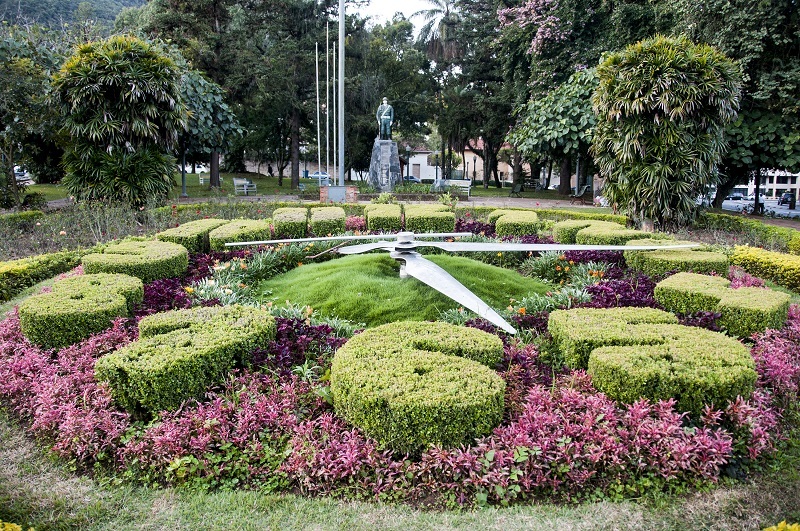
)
(385, 116)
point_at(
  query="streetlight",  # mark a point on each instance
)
(436, 165)
(474, 165)
(408, 162)
(303, 151)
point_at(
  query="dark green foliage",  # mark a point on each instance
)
(123, 111)
(384, 218)
(181, 353)
(633, 353)
(743, 312)
(239, 230)
(662, 106)
(409, 385)
(429, 218)
(327, 221)
(290, 222)
(77, 308)
(658, 263)
(55, 12)
(148, 260)
(17, 275)
(192, 235)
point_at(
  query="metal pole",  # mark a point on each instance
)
(341, 92)
(335, 129)
(183, 175)
(327, 102)
(319, 143)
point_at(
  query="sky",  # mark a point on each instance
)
(383, 10)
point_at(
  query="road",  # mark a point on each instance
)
(769, 204)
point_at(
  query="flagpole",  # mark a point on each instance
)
(341, 93)
(319, 145)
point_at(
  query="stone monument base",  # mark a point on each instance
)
(384, 166)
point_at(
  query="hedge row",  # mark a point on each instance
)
(641, 352)
(16, 275)
(412, 384)
(193, 234)
(327, 221)
(588, 232)
(515, 222)
(239, 230)
(785, 238)
(781, 268)
(20, 219)
(658, 263)
(290, 222)
(429, 218)
(384, 218)
(148, 260)
(550, 214)
(181, 353)
(744, 311)
(77, 308)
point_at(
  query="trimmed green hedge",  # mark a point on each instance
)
(384, 218)
(639, 352)
(783, 269)
(516, 223)
(411, 384)
(658, 263)
(784, 238)
(566, 231)
(20, 219)
(148, 260)
(16, 275)
(290, 222)
(193, 234)
(429, 218)
(181, 353)
(327, 221)
(744, 311)
(77, 308)
(239, 230)
(551, 214)
(606, 233)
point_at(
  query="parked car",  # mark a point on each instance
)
(22, 176)
(410, 179)
(322, 177)
(734, 197)
(786, 198)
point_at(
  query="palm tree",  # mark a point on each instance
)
(438, 32)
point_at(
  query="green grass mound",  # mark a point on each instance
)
(409, 385)
(239, 230)
(327, 221)
(181, 353)
(429, 218)
(515, 222)
(192, 235)
(633, 353)
(743, 311)
(77, 308)
(368, 289)
(658, 263)
(290, 222)
(148, 260)
(384, 218)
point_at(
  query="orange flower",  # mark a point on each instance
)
(558, 268)
(521, 311)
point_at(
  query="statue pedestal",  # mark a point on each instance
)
(384, 167)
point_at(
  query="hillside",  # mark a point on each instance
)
(53, 12)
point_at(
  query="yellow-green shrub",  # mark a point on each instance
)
(148, 260)
(327, 221)
(640, 352)
(516, 223)
(181, 353)
(384, 217)
(290, 222)
(781, 268)
(16, 275)
(193, 234)
(606, 233)
(429, 218)
(239, 230)
(743, 311)
(77, 308)
(658, 263)
(411, 384)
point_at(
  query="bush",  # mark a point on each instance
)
(383, 217)
(20, 219)
(783, 269)
(181, 353)
(193, 235)
(761, 234)
(148, 260)
(240, 230)
(605, 233)
(658, 263)
(327, 221)
(566, 231)
(17, 275)
(78, 307)
(429, 218)
(409, 384)
(743, 311)
(516, 223)
(636, 353)
(290, 222)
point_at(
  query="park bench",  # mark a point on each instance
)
(244, 186)
(206, 178)
(515, 191)
(463, 185)
(584, 195)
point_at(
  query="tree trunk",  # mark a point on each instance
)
(734, 177)
(519, 178)
(215, 182)
(548, 174)
(295, 148)
(564, 186)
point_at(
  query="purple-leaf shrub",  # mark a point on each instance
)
(614, 258)
(201, 264)
(295, 342)
(163, 295)
(475, 227)
(634, 290)
(702, 319)
(355, 223)
(742, 279)
(777, 357)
